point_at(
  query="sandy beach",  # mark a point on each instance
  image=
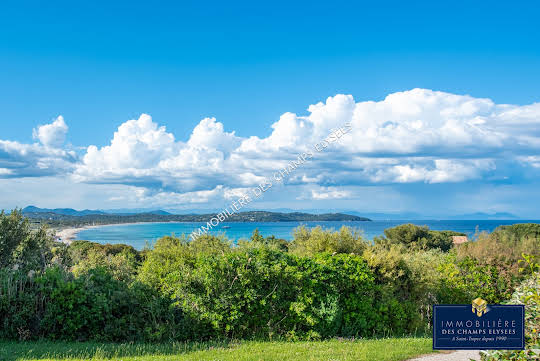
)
(67, 235)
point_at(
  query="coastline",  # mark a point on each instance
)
(68, 235)
(243, 230)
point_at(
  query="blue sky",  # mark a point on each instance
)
(246, 64)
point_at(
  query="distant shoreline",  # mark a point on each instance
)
(68, 235)
(138, 236)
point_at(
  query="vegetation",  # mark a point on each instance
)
(322, 285)
(391, 349)
(527, 293)
(72, 218)
(21, 248)
(309, 242)
(417, 237)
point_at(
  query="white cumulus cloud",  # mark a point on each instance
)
(415, 136)
(47, 157)
(52, 135)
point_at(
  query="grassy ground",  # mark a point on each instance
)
(390, 349)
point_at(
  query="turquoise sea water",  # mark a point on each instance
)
(138, 235)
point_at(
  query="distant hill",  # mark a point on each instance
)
(393, 216)
(488, 216)
(70, 217)
(418, 216)
(276, 215)
(63, 211)
(86, 212)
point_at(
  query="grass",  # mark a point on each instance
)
(388, 349)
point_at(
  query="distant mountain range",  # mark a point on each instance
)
(489, 216)
(64, 217)
(32, 210)
(461, 217)
(86, 212)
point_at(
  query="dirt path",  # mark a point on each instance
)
(463, 355)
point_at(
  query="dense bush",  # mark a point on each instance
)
(258, 291)
(502, 250)
(466, 279)
(94, 306)
(120, 260)
(528, 294)
(425, 277)
(417, 237)
(411, 279)
(20, 248)
(307, 242)
(324, 283)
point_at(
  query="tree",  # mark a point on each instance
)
(256, 236)
(308, 242)
(417, 237)
(20, 247)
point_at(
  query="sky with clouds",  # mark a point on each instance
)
(420, 140)
(180, 107)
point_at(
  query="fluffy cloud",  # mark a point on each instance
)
(142, 153)
(329, 193)
(416, 136)
(47, 157)
(439, 171)
(52, 135)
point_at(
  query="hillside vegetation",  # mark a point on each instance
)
(323, 284)
(72, 218)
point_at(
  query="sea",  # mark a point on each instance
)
(141, 235)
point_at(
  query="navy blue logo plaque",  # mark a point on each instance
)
(474, 327)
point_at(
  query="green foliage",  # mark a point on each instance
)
(172, 259)
(323, 284)
(417, 237)
(528, 294)
(467, 279)
(307, 242)
(94, 306)
(502, 250)
(20, 247)
(256, 290)
(119, 260)
(272, 241)
(413, 281)
(426, 287)
(517, 232)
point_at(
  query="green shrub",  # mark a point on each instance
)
(94, 306)
(323, 284)
(467, 279)
(417, 237)
(528, 294)
(19, 308)
(412, 279)
(256, 290)
(503, 249)
(307, 242)
(120, 260)
(271, 241)
(20, 247)
(427, 287)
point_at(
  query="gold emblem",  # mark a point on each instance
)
(479, 306)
